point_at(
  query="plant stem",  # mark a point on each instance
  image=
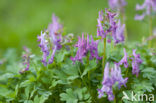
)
(81, 77)
(114, 96)
(104, 53)
(88, 71)
(112, 46)
(150, 31)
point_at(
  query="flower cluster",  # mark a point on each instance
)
(100, 26)
(44, 47)
(55, 35)
(117, 4)
(84, 47)
(148, 5)
(109, 79)
(26, 59)
(136, 61)
(115, 27)
(124, 60)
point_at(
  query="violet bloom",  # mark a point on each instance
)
(44, 47)
(124, 60)
(119, 33)
(107, 84)
(109, 79)
(115, 28)
(26, 59)
(55, 33)
(112, 21)
(100, 26)
(117, 4)
(149, 6)
(116, 76)
(93, 47)
(82, 49)
(136, 61)
(85, 46)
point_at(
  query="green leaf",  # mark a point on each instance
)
(142, 86)
(25, 83)
(92, 65)
(149, 73)
(73, 96)
(61, 55)
(6, 76)
(36, 99)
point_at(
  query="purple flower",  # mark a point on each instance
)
(85, 46)
(124, 60)
(148, 5)
(117, 4)
(109, 79)
(107, 84)
(115, 28)
(116, 76)
(112, 21)
(100, 26)
(136, 61)
(82, 49)
(118, 35)
(26, 59)
(55, 33)
(44, 47)
(93, 48)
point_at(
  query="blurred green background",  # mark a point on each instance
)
(22, 20)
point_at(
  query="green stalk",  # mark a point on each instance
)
(81, 77)
(104, 53)
(114, 96)
(150, 31)
(88, 71)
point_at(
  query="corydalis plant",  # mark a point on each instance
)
(109, 79)
(110, 26)
(100, 27)
(117, 4)
(26, 60)
(55, 33)
(84, 47)
(51, 40)
(136, 61)
(44, 47)
(124, 60)
(149, 6)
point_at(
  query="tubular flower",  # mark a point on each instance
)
(85, 46)
(119, 33)
(82, 51)
(26, 59)
(44, 47)
(116, 76)
(109, 79)
(124, 60)
(93, 47)
(116, 28)
(136, 61)
(117, 4)
(100, 26)
(107, 84)
(55, 32)
(149, 6)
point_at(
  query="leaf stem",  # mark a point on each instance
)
(104, 53)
